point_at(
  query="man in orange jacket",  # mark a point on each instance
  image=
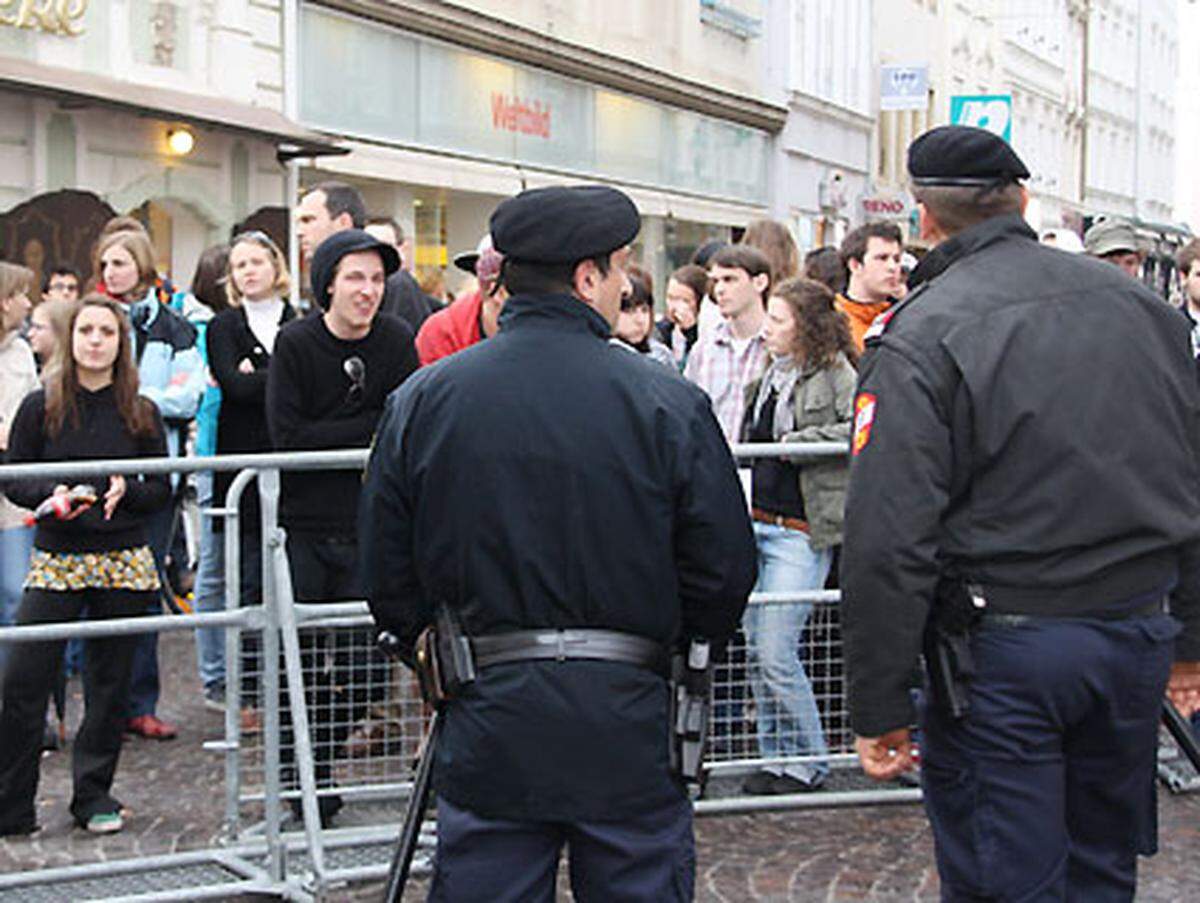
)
(872, 257)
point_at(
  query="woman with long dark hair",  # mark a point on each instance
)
(93, 555)
(806, 394)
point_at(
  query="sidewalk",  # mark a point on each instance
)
(868, 853)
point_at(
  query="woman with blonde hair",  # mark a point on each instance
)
(806, 394)
(241, 341)
(91, 555)
(18, 377)
(48, 330)
(170, 374)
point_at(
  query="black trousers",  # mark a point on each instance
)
(29, 678)
(491, 860)
(344, 672)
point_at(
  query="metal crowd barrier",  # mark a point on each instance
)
(299, 646)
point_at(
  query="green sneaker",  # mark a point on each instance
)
(105, 823)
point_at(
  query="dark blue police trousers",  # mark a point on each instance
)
(1045, 789)
(648, 858)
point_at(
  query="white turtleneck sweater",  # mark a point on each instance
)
(263, 320)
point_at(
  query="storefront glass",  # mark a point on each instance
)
(418, 92)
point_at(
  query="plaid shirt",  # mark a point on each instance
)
(716, 367)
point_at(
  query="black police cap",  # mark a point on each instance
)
(563, 225)
(961, 155)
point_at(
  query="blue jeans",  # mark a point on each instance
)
(144, 684)
(788, 721)
(15, 545)
(210, 592)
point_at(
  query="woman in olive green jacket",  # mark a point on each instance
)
(805, 395)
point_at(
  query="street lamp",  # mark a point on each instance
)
(180, 142)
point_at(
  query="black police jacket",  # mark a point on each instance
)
(546, 479)
(1026, 420)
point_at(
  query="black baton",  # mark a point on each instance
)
(410, 831)
(1181, 730)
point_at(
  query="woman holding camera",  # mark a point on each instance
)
(90, 551)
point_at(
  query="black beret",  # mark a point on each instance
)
(338, 245)
(563, 225)
(963, 155)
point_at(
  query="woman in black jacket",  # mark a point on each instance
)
(240, 341)
(94, 556)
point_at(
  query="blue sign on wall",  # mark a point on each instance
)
(985, 111)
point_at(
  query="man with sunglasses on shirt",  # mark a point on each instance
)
(326, 389)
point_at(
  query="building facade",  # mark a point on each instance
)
(1087, 88)
(130, 106)
(1133, 66)
(449, 108)
(824, 152)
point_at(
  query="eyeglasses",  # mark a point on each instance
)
(356, 372)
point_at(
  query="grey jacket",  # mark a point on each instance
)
(823, 408)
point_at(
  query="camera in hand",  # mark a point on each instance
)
(61, 505)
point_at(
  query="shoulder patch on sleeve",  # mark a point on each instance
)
(864, 416)
(878, 325)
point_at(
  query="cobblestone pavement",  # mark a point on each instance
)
(866, 853)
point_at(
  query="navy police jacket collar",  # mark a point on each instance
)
(552, 311)
(997, 228)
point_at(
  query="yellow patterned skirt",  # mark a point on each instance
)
(68, 571)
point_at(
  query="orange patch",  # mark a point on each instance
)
(864, 416)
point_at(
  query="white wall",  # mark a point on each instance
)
(1187, 118)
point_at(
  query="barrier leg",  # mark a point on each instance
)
(304, 764)
(268, 488)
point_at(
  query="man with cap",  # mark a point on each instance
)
(471, 318)
(580, 518)
(1113, 239)
(1023, 504)
(329, 378)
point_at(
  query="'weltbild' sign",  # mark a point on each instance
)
(61, 17)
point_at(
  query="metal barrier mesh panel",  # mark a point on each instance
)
(147, 882)
(367, 718)
(778, 690)
(365, 714)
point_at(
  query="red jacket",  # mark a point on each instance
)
(450, 330)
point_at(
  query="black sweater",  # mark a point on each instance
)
(242, 421)
(100, 434)
(311, 404)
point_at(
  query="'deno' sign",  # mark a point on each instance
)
(61, 17)
(885, 207)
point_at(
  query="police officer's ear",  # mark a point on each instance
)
(928, 226)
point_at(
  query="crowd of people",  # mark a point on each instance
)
(123, 362)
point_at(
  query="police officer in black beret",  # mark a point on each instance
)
(1024, 506)
(575, 510)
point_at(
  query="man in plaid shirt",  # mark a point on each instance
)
(732, 355)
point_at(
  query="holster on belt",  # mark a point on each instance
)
(444, 661)
(691, 686)
(948, 646)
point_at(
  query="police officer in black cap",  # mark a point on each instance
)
(575, 510)
(1023, 508)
